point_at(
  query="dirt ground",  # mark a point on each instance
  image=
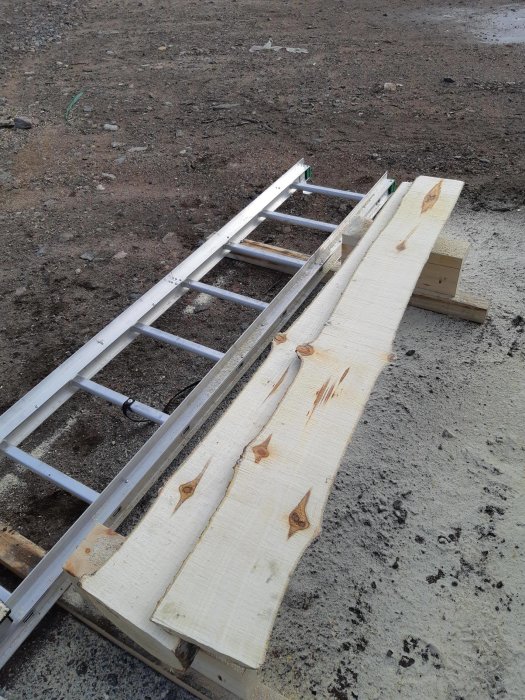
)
(91, 217)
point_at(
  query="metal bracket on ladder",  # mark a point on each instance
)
(21, 610)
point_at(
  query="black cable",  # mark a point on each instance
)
(128, 412)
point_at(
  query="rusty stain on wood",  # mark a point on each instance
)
(261, 451)
(329, 392)
(280, 338)
(304, 350)
(298, 520)
(318, 398)
(278, 383)
(429, 200)
(188, 489)
(343, 376)
(431, 197)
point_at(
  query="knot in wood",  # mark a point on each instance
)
(305, 350)
(261, 451)
(280, 338)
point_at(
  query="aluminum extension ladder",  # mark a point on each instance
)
(21, 610)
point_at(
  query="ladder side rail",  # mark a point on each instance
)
(39, 403)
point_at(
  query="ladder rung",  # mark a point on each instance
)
(115, 397)
(250, 252)
(299, 221)
(225, 294)
(330, 191)
(178, 342)
(34, 465)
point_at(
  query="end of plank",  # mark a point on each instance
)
(93, 552)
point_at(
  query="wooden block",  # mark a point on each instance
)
(463, 306)
(128, 587)
(228, 590)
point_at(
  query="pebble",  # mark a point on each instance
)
(20, 291)
(390, 87)
(120, 255)
(88, 256)
(110, 127)
(120, 160)
(446, 434)
(448, 79)
(137, 149)
(167, 237)
(22, 123)
(100, 188)
(226, 105)
(116, 144)
(108, 176)
(87, 108)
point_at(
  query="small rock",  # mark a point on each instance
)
(110, 127)
(120, 160)
(87, 108)
(137, 149)
(226, 105)
(88, 256)
(162, 48)
(22, 123)
(20, 291)
(41, 250)
(446, 434)
(67, 236)
(168, 236)
(116, 144)
(448, 79)
(406, 661)
(100, 188)
(108, 176)
(390, 87)
(120, 255)
(409, 353)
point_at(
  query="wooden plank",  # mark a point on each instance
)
(446, 250)
(19, 555)
(228, 591)
(463, 305)
(295, 255)
(128, 587)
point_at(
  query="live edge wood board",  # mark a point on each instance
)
(228, 591)
(129, 585)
